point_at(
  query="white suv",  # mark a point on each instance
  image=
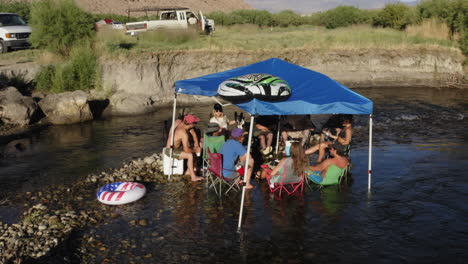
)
(14, 32)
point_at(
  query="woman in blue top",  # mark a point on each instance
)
(290, 169)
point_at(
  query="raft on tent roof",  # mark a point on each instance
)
(311, 92)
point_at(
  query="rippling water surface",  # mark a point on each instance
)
(415, 213)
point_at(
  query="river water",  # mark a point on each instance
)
(416, 211)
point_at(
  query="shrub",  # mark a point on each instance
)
(44, 78)
(342, 16)
(396, 16)
(21, 8)
(464, 42)
(256, 17)
(59, 24)
(287, 18)
(453, 12)
(78, 73)
(220, 18)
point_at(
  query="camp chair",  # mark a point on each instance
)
(288, 187)
(213, 144)
(333, 177)
(215, 168)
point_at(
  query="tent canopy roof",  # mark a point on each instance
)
(311, 92)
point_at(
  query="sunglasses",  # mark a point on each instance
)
(219, 111)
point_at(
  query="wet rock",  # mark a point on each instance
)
(143, 222)
(16, 108)
(66, 108)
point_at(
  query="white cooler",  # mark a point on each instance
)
(177, 165)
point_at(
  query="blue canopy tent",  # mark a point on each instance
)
(311, 93)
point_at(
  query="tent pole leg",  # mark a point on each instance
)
(172, 135)
(277, 136)
(370, 155)
(249, 144)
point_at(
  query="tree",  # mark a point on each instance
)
(342, 16)
(20, 8)
(396, 16)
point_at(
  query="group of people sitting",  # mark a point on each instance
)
(336, 137)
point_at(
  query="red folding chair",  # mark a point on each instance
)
(215, 168)
(289, 187)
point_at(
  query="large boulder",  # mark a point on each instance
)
(125, 104)
(66, 108)
(16, 108)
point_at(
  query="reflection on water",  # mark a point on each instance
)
(416, 212)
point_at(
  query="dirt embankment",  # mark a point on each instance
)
(154, 74)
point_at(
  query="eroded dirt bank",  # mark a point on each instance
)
(154, 74)
(157, 73)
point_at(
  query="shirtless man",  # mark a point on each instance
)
(182, 150)
(319, 171)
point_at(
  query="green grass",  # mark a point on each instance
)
(252, 38)
(25, 55)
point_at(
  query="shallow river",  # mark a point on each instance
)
(416, 211)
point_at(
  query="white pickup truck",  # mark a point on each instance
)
(14, 32)
(169, 18)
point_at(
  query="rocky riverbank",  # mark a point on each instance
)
(55, 214)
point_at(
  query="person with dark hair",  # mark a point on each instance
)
(234, 152)
(220, 118)
(319, 171)
(342, 135)
(292, 167)
(181, 147)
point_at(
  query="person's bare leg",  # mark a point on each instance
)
(262, 141)
(269, 140)
(322, 148)
(284, 136)
(248, 185)
(312, 149)
(189, 158)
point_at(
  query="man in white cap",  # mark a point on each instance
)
(181, 147)
(233, 151)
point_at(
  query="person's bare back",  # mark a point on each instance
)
(181, 144)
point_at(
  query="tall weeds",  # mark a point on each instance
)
(77, 73)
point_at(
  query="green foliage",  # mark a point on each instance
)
(464, 42)
(313, 19)
(255, 17)
(44, 78)
(396, 16)
(343, 16)
(287, 18)
(453, 12)
(59, 24)
(78, 73)
(21, 8)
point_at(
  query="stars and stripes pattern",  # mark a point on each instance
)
(116, 191)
